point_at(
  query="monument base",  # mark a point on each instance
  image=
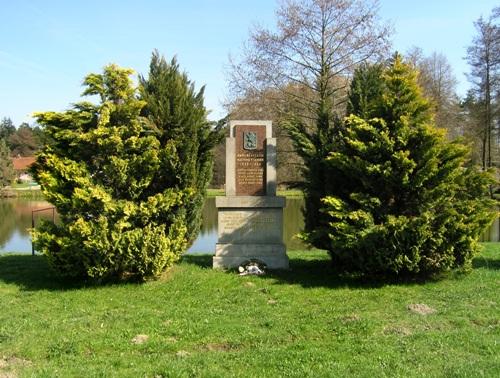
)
(250, 228)
(233, 255)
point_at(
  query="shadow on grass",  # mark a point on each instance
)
(31, 273)
(319, 272)
(486, 263)
(309, 271)
(203, 261)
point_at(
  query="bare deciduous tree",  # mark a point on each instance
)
(483, 57)
(438, 82)
(316, 46)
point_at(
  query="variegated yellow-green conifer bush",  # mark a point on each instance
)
(99, 171)
(401, 198)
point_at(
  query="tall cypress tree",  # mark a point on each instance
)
(177, 116)
(401, 199)
(365, 91)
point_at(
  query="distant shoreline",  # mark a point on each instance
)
(23, 192)
(35, 191)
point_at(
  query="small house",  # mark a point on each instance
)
(21, 166)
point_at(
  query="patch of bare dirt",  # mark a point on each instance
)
(140, 339)
(350, 318)
(182, 354)
(217, 347)
(421, 309)
(9, 364)
(397, 330)
(8, 374)
(167, 275)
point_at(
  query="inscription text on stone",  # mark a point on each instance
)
(250, 226)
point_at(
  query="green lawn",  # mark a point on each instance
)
(22, 185)
(199, 322)
(22, 190)
(215, 192)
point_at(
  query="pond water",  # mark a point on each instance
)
(15, 221)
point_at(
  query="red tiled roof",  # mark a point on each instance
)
(22, 163)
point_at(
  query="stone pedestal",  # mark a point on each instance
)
(250, 216)
(250, 228)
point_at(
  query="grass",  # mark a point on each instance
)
(30, 194)
(215, 192)
(23, 185)
(196, 321)
(22, 190)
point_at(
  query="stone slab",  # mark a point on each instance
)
(250, 216)
(250, 202)
(229, 262)
(249, 250)
(230, 167)
(267, 124)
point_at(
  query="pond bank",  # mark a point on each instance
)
(23, 192)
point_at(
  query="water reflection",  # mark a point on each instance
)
(15, 221)
(493, 233)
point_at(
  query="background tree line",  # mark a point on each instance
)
(23, 140)
(16, 142)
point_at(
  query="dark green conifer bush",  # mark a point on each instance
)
(401, 199)
(177, 116)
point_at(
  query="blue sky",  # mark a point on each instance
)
(48, 46)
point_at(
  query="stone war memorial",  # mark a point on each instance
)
(250, 215)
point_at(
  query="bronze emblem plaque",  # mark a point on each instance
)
(249, 140)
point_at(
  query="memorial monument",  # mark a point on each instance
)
(250, 215)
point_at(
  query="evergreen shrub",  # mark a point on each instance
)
(401, 198)
(177, 116)
(100, 172)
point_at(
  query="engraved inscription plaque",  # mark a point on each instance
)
(251, 226)
(250, 160)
